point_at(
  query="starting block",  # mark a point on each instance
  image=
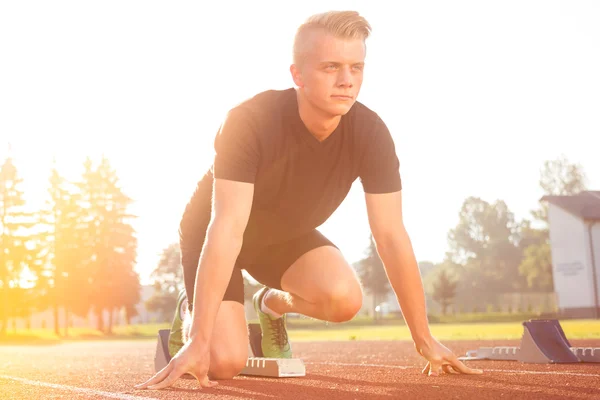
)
(256, 365)
(543, 342)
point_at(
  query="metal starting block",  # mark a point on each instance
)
(543, 342)
(274, 367)
(256, 365)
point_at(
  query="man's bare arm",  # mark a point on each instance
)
(396, 252)
(231, 210)
(232, 202)
(395, 249)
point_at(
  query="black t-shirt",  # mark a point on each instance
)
(298, 180)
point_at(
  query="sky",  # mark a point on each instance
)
(477, 95)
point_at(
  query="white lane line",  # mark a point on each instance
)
(359, 365)
(484, 369)
(543, 372)
(111, 395)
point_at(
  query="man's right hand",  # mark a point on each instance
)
(193, 358)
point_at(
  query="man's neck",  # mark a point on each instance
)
(319, 124)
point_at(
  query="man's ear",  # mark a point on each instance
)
(296, 75)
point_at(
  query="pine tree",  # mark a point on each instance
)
(373, 275)
(168, 278)
(444, 290)
(15, 242)
(112, 243)
(63, 248)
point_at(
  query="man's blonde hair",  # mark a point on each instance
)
(341, 24)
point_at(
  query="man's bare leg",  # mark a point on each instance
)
(229, 343)
(321, 285)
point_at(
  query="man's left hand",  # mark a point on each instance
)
(441, 359)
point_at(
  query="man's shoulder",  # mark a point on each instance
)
(360, 111)
(363, 119)
(265, 101)
(254, 117)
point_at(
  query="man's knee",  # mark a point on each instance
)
(225, 362)
(343, 300)
(229, 343)
(227, 365)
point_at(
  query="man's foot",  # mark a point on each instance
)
(275, 343)
(176, 333)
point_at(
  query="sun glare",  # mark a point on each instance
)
(27, 279)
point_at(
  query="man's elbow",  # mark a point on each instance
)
(391, 238)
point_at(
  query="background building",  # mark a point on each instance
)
(575, 246)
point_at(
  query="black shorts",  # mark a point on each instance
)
(271, 263)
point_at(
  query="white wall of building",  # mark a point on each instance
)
(596, 246)
(571, 261)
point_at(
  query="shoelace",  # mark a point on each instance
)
(278, 333)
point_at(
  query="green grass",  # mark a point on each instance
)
(310, 330)
(47, 336)
(391, 319)
(574, 329)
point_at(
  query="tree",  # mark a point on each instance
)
(163, 303)
(536, 263)
(15, 239)
(169, 273)
(123, 245)
(168, 281)
(528, 235)
(557, 177)
(127, 290)
(562, 177)
(111, 241)
(536, 267)
(63, 248)
(373, 276)
(485, 243)
(444, 290)
(425, 267)
(33, 278)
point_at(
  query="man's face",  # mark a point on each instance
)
(332, 72)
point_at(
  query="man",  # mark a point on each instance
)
(284, 162)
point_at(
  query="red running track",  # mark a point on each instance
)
(335, 370)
